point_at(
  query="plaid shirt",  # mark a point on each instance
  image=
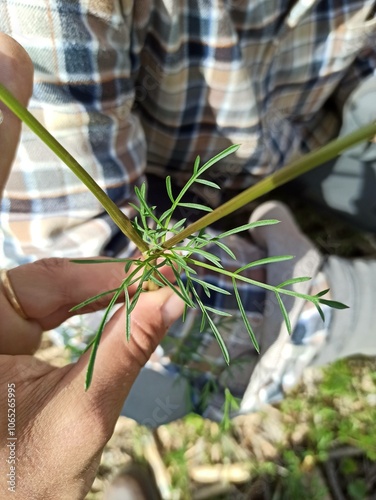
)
(142, 87)
(129, 87)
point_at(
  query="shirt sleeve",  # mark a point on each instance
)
(85, 65)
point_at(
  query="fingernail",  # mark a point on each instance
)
(172, 309)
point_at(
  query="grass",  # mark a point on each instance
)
(311, 423)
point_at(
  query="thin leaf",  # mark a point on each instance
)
(284, 313)
(178, 225)
(147, 274)
(219, 339)
(292, 281)
(166, 215)
(206, 290)
(214, 329)
(320, 311)
(127, 322)
(93, 354)
(169, 189)
(215, 259)
(203, 322)
(225, 248)
(185, 310)
(89, 345)
(205, 182)
(144, 208)
(211, 286)
(180, 284)
(98, 261)
(219, 312)
(203, 286)
(136, 296)
(266, 260)
(155, 237)
(245, 279)
(135, 207)
(207, 255)
(323, 292)
(333, 304)
(175, 258)
(228, 151)
(142, 190)
(183, 268)
(180, 291)
(156, 281)
(244, 317)
(90, 300)
(196, 165)
(138, 227)
(148, 210)
(127, 266)
(248, 226)
(196, 206)
(261, 223)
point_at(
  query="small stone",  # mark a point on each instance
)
(299, 434)
(371, 399)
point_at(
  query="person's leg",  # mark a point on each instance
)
(345, 332)
(347, 185)
(352, 331)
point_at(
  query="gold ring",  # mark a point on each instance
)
(10, 294)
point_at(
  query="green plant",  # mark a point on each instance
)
(182, 251)
(339, 412)
(231, 404)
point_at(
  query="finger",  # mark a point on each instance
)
(84, 421)
(118, 362)
(46, 290)
(50, 287)
(17, 336)
(17, 76)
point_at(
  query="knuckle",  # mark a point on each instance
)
(56, 270)
(144, 340)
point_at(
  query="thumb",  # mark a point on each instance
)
(118, 361)
(17, 76)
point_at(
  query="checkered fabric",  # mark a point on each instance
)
(129, 87)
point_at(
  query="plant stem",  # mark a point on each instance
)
(120, 219)
(278, 178)
(240, 277)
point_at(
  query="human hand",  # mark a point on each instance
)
(17, 75)
(54, 448)
(61, 429)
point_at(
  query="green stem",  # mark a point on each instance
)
(250, 281)
(120, 219)
(278, 178)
